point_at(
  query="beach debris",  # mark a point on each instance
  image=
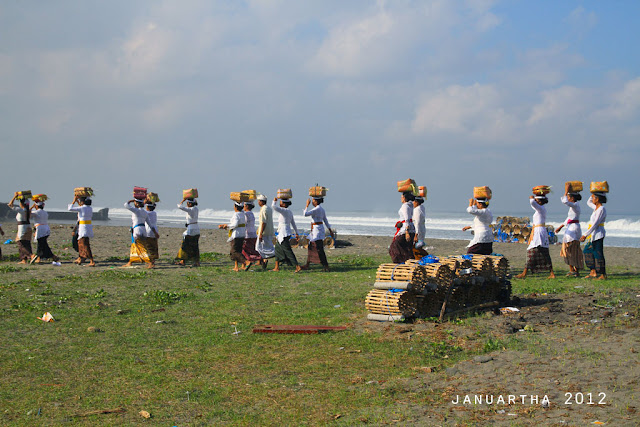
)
(501, 411)
(94, 329)
(509, 310)
(337, 306)
(56, 263)
(47, 317)
(578, 287)
(295, 329)
(144, 414)
(385, 317)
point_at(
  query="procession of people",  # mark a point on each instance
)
(255, 241)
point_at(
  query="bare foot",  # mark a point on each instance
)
(92, 264)
(264, 264)
(552, 275)
(275, 269)
(298, 269)
(127, 265)
(601, 277)
(181, 262)
(151, 266)
(521, 276)
(22, 262)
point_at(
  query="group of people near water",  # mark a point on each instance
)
(408, 241)
(250, 243)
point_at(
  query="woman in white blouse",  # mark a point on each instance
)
(43, 231)
(23, 237)
(138, 251)
(571, 251)
(482, 242)
(315, 250)
(401, 248)
(190, 249)
(286, 229)
(249, 246)
(84, 230)
(538, 257)
(237, 232)
(594, 236)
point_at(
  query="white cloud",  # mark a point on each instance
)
(624, 104)
(564, 104)
(474, 111)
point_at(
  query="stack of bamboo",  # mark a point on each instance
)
(391, 302)
(483, 266)
(500, 266)
(411, 277)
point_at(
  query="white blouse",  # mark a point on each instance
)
(23, 229)
(482, 219)
(151, 224)
(192, 220)
(138, 220)
(41, 222)
(85, 213)
(318, 215)
(251, 225)
(286, 223)
(406, 215)
(540, 234)
(237, 226)
(571, 231)
(419, 219)
(599, 215)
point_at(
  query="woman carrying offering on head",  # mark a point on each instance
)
(538, 257)
(286, 229)
(594, 236)
(139, 216)
(401, 248)
(237, 232)
(43, 231)
(482, 242)
(315, 251)
(190, 249)
(85, 228)
(571, 251)
(23, 237)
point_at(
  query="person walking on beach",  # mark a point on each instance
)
(151, 227)
(237, 232)
(1, 232)
(401, 248)
(538, 258)
(571, 251)
(43, 231)
(266, 234)
(249, 246)
(419, 222)
(482, 242)
(190, 249)
(84, 228)
(23, 237)
(594, 236)
(286, 229)
(138, 251)
(315, 251)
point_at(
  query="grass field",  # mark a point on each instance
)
(178, 343)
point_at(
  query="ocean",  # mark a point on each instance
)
(622, 230)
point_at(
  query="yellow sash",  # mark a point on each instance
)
(591, 235)
(84, 222)
(533, 228)
(237, 226)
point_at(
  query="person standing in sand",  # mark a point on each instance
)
(237, 231)
(151, 227)
(266, 233)
(538, 258)
(419, 222)
(249, 245)
(315, 251)
(43, 231)
(594, 236)
(571, 251)
(23, 236)
(190, 249)
(401, 248)
(482, 242)
(138, 251)
(286, 229)
(85, 228)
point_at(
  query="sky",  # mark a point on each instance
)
(232, 95)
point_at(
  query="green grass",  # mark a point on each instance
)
(169, 346)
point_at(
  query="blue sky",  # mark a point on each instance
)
(355, 96)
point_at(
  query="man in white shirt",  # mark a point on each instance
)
(266, 233)
(286, 229)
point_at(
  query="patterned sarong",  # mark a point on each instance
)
(190, 250)
(84, 248)
(138, 252)
(572, 254)
(538, 259)
(594, 256)
(316, 254)
(401, 249)
(249, 249)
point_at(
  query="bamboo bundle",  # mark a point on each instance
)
(452, 262)
(329, 242)
(304, 242)
(413, 273)
(525, 231)
(517, 228)
(483, 266)
(392, 303)
(500, 266)
(439, 273)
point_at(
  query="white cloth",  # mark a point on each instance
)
(317, 214)
(265, 248)
(419, 222)
(406, 214)
(540, 234)
(286, 223)
(85, 213)
(138, 220)
(250, 225)
(571, 231)
(151, 225)
(266, 218)
(482, 219)
(21, 216)
(598, 216)
(192, 220)
(40, 219)
(237, 226)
